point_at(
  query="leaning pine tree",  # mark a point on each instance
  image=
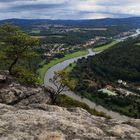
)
(15, 45)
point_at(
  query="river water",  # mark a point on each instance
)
(60, 66)
(137, 33)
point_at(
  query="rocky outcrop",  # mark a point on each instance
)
(25, 115)
(2, 78)
(16, 94)
(45, 122)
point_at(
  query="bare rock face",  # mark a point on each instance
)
(25, 115)
(16, 94)
(45, 122)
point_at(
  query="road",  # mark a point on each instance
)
(60, 66)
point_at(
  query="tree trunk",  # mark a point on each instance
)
(53, 99)
(12, 65)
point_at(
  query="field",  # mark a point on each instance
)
(43, 70)
(104, 47)
(110, 93)
(138, 44)
(35, 31)
(38, 37)
(70, 67)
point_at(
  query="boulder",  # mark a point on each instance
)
(16, 94)
(2, 78)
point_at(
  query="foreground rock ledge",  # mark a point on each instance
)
(44, 122)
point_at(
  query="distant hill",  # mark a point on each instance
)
(133, 22)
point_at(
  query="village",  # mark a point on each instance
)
(59, 50)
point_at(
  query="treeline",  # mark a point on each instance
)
(81, 36)
(68, 39)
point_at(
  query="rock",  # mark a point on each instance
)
(16, 94)
(3, 78)
(51, 136)
(25, 115)
(45, 122)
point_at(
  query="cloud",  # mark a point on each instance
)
(68, 9)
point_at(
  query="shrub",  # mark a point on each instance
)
(24, 76)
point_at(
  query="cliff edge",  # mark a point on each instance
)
(26, 115)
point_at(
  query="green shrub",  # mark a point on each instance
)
(23, 76)
(65, 101)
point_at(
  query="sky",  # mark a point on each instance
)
(68, 9)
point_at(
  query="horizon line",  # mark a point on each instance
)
(68, 19)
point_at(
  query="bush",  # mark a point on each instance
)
(65, 101)
(23, 76)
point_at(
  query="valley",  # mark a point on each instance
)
(69, 70)
(62, 45)
(101, 83)
(62, 65)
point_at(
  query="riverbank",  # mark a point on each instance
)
(105, 47)
(60, 66)
(41, 72)
(96, 50)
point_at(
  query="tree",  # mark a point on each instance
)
(59, 85)
(16, 45)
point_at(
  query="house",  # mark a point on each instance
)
(122, 82)
(109, 87)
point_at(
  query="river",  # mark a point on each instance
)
(60, 66)
(137, 32)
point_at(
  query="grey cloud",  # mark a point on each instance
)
(68, 9)
(35, 7)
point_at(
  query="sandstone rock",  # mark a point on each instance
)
(16, 94)
(45, 122)
(30, 118)
(2, 78)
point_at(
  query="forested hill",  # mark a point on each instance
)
(133, 22)
(119, 62)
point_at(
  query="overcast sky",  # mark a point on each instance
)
(68, 9)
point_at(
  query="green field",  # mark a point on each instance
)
(138, 44)
(43, 70)
(70, 67)
(35, 31)
(110, 93)
(104, 47)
